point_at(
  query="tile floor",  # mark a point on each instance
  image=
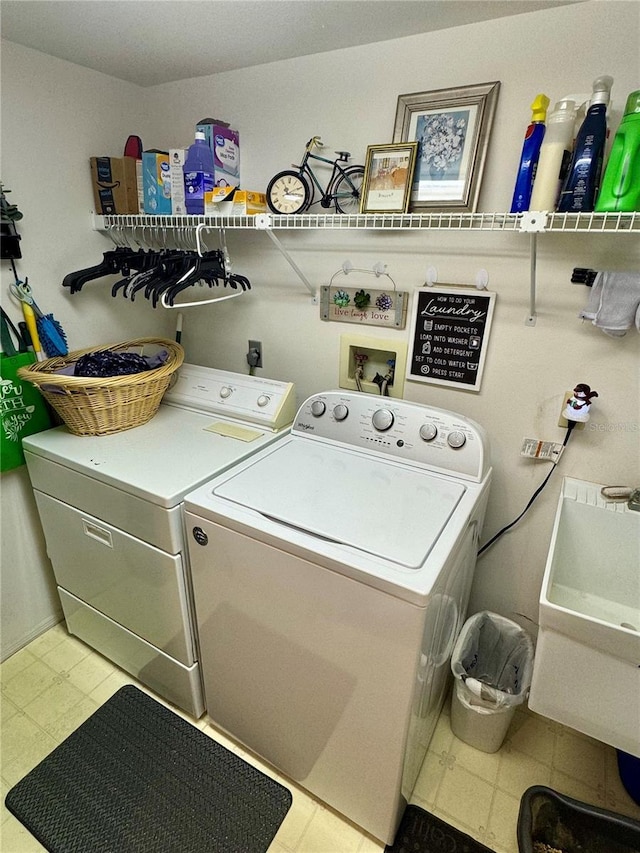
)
(52, 685)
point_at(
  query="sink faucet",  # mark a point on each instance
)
(622, 493)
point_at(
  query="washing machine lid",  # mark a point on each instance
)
(391, 510)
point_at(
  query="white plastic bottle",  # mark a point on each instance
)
(555, 156)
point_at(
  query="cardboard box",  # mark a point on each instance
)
(140, 186)
(230, 201)
(219, 202)
(114, 185)
(248, 203)
(225, 144)
(177, 156)
(156, 180)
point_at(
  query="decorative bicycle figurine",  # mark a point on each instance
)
(293, 190)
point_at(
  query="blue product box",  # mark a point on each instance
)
(156, 182)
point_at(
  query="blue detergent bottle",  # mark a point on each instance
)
(582, 183)
(530, 155)
(198, 172)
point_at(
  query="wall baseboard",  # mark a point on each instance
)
(35, 632)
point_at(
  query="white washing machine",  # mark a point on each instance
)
(111, 511)
(331, 577)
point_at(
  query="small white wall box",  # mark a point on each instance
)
(378, 352)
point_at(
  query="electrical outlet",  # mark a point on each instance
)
(562, 421)
(255, 353)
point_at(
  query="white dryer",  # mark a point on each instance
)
(111, 511)
(331, 575)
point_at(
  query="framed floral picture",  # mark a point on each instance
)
(452, 129)
(388, 175)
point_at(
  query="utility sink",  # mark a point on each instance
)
(591, 588)
(586, 672)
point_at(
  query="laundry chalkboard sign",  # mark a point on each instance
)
(449, 336)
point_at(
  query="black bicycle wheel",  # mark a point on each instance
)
(288, 192)
(347, 190)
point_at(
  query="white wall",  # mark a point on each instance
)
(349, 97)
(55, 116)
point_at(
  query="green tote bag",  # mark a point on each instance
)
(23, 410)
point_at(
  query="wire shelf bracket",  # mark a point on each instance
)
(263, 223)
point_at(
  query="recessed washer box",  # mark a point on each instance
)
(378, 352)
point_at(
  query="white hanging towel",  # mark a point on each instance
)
(614, 303)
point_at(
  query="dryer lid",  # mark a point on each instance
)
(384, 508)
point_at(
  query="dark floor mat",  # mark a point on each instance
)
(137, 778)
(421, 832)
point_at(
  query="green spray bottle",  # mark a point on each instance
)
(621, 182)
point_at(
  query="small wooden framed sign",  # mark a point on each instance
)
(368, 307)
(449, 335)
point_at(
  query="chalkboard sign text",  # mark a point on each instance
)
(449, 335)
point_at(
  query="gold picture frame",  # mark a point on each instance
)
(388, 175)
(452, 129)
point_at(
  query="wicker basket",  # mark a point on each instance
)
(100, 406)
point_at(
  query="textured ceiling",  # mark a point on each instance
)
(158, 41)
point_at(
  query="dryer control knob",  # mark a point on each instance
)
(200, 536)
(263, 400)
(456, 439)
(225, 392)
(340, 412)
(428, 432)
(318, 408)
(382, 420)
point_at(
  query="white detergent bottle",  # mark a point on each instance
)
(555, 156)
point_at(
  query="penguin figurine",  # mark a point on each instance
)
(578, 405)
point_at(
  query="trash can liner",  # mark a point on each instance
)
(493, 656)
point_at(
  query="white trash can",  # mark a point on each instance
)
(492, 663)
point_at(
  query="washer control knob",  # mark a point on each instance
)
(263, 400)
(318, 408)
(225, 392)
(456, 439)
(428, 432)
(340, 412)
(382, 420)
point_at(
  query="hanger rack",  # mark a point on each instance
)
(481, 282)
(379, 269)
(582, 275)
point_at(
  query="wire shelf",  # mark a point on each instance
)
(187, 229)
(398, 221)
(616, 223)
(594, 222)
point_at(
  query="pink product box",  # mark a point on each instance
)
(225, 144)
